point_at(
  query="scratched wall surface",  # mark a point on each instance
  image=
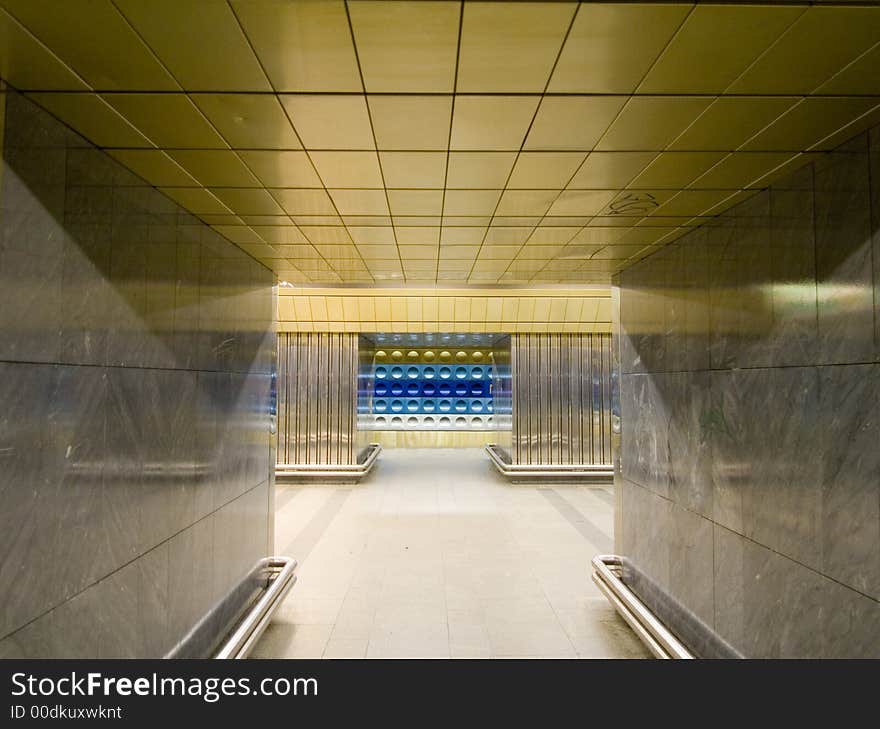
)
(749, 474)
(136, 352)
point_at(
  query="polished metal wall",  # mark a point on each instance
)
(317, 395)
(561, 392)
(136, 356)
(750, 382)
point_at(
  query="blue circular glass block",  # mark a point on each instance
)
(396, 388)
(397, 373)
(381, 373)
(461, 406)
(429, 373)
(478, 389)
(412, 389)
(445, 389)
(429, 389)
(461, 373)
(445, 373)
(477, 373)
(476, 406)
(397, 406)
(490, 408)
(461, 389)
(381, 388)
(429, 406)
(445, 406)
(380, 406)
(412, 373)
(412, 406)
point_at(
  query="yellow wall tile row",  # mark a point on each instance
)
(444, 310)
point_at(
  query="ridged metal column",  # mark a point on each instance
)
(317, 394)
(561, 398)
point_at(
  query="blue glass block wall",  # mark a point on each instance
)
(430, 388)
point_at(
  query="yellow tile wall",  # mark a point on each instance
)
(444, 310)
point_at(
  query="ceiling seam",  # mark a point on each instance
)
(526, 135)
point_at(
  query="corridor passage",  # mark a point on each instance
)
(435, 556)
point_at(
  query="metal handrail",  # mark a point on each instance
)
(318, 470)
(242, 640)
(660, 641)
(544, 470)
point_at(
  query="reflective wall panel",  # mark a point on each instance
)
(561, 394)
(317, 397)
(749, 467)
(136, 356)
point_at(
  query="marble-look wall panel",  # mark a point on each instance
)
(750, 386)
(136, 360)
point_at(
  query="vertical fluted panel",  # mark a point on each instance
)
(317, 397)
(561, 393)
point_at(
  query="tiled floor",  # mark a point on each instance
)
(437, 556)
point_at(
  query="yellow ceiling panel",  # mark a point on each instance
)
(248, 201)
(323, 235)
(450, 253)
(92, 117)
(304, 46)
(471, 202)
(620, 252)
(510, 47)
(729, 121)
(498, 252)
(491, 122)
(427, 235)
(643, 235)
(504, 236)
(544, 170)
(612, 45)
(415, 202)
(572, 122)
(154, 166)
(378, 252)
(348, 169)
(462, 236)
(818, 44)
(28, 64)
(740, 169)
(411, 253)
(474, 170)
(330, 121)
(215, 167)
(406, 46)
(217, 57)
(467, 221)
(366, 220)
(414, 169)
(249, 120)
(675, 169)
(255, 220)
(552, 236)
(169, 120)
(610, 170)
(197, 200)
(598, 235)
(581, 202)
(304, 202)
(410, 122)
(104, 50)
(728, 37)
(526, 202)
(280, 235)
(360, 202)
(692, 202)
(809, 122)
(651, 122)
(382, 235)
(859, 77)
(281, 169)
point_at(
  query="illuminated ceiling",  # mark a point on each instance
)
(444, 142)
